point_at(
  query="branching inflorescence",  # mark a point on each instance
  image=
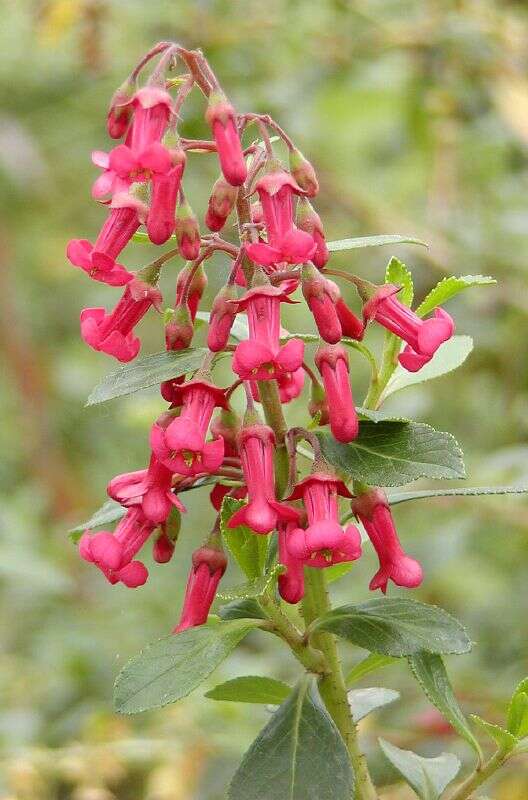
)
(259, 490)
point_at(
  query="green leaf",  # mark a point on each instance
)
(373, 662)
(430, 672)
(254, 588)
(171, 668)
(146, 371)
(395, 453)
(473, 491)
(364, 701)
(299, 755)
(109, 512)
(241, 609)
(518, 711)
(337, 571)
(427, 776)
(396, 627)
(449, 356)
(398, 274)
(372, 241)
(504, 740)
(251, 689)
(248, 549)
(448, 288)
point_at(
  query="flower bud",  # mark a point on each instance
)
(223, 314)
(309, 221)
(221, 203)
(120, 110)
(187, 232)
(303, 172)
(221, 117)
(227, 425)
(178, 328)
(321, 296)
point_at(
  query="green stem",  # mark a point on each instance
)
(311, 659)
(332, 686)
(269, 396)
(379, 381)
(479, 776)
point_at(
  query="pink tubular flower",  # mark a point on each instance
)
(423, 337)
(114, 333)
(151, 488)
(187, 231)
(152, 108)
(373, 511)
(208, 566)
(108, 182)
(179, 443)
(163, 549)
(324, 542)
(321, 296)
(291, 582)
(351, 325)
(165, 187)
(221, 117)
(114, 553)
(195, 290)
(219, 491)
(221, 202)
(309, 221)
(99, 259)
(221, 318)
(290, 385)
(263, 511)
(261, 357)
(286, 243)
(332, 363)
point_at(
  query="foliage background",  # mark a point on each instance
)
(415, 113)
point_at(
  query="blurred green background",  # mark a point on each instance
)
(416, 116)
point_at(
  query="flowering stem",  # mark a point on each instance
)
(479, 776)
(332, 686)
(379, 380)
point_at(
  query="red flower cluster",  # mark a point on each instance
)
(281, 250)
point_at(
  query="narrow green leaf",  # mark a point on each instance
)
(394, 453)
(398, 274)
(448, 288)
(365, 701)
(241, 609)
(146, 371)
(427, 776)
(251, 689)
(337, 571)
(109, 512)
(254, 588)
(518, 711)
(504, 740)
(473, 491)
(372, 241)
(369, 664)
(449, 356)
(249, 550)
(430, 672)
(299, 755)
(171, 668)
(396, 627)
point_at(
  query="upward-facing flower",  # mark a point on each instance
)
(180, 443)
(150, 488)
(261, 357)
(423, 337)
(113, 333)
(324, 542)
(99, 259)
(208, 565)
(373, 511)
(222, 118)
(263, 511)
(114, 553)
(332, 363)
(286, 243)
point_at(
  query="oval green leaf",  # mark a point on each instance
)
(427, 776)
(251, 689)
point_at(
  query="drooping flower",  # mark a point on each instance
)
(321, 296)
(194, 290)
(187, 231)
(208, 565)
(290, 385)
(263, 511)
(221, 202)
(163, 549)
(291, 582)
(152, 109)
(120, 109)
(286, 243)
(303, 172)
(219, 491)
(99, 259)
(423, 336)
(114, 553)
(309, 221)
(373, 510)
(151, 488)
(222, 317)
(180, 443)
(261, 357)
(113, 333)
(165, 188)
(332, 363)
(221, 116)
(351, 325)
(325, 541)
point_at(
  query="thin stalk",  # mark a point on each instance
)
(479, 776)
(332, 686)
